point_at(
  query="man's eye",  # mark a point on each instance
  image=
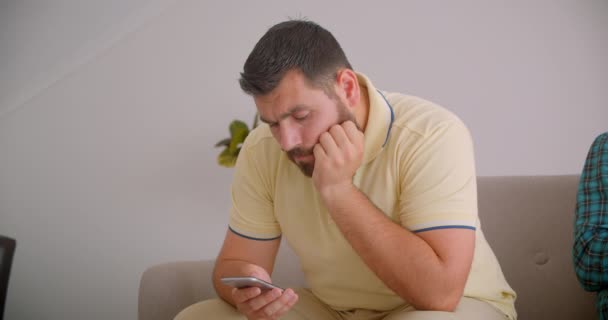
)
(301, 116)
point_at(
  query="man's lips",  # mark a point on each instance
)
(302, 157)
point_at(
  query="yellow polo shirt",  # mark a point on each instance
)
(418, 168)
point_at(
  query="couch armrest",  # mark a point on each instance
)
(168, 288)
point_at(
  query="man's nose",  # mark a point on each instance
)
(289, 137)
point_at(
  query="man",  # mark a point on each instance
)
(374, 191)
(590, 252)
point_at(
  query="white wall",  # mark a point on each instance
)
(109, 111)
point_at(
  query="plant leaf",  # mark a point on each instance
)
(224, 142)
(238, 133)
(228, 158)
(238, 127)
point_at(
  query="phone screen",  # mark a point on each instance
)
(244, 282)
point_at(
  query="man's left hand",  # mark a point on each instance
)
(338, 155)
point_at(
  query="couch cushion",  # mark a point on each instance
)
(528, 222)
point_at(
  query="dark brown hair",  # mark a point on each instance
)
(289, 45)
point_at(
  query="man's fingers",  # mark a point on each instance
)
(264, 299)
(351, 130)
(329, 145)
(319, 152)
(290, 303)
(280, 305)
(339, 134)
(244, 294)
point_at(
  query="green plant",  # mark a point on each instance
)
(232, 145)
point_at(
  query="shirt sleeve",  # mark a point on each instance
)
(590, 249)
(438, 181)
(252, 211)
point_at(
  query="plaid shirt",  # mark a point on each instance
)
(590, 250)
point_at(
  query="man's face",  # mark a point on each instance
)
(298, 114)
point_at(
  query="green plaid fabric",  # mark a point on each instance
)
(590, 250)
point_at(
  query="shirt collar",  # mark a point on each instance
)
(379, 120)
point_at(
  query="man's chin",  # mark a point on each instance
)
(306, 163)
(306, 168)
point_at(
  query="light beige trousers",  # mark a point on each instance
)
(309, 307)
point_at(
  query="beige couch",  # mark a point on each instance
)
(527, 221)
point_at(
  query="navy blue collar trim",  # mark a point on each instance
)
(390, 126)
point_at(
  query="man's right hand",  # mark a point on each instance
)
(256, 304)
(244, 257)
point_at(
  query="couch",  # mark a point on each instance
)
(526, 219)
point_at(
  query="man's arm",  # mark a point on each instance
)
(428, 269)
(590, 249)
(243, 257)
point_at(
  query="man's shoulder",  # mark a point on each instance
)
(601, 141)
(260, 134)
(420, 116)
(261, 147)
(260, 140)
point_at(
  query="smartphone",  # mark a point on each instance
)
(244, 282)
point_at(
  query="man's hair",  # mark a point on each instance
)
(293, 45)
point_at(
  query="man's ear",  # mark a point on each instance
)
(348, 87)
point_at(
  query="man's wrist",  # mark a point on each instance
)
(335, 194)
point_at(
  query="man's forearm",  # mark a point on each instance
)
(229, 268)
(402, 260)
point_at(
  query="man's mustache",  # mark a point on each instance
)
(300, 152)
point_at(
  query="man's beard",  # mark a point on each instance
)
(308, 167)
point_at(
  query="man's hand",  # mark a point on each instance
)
(338, 155)
(256, 304)
(267, 305)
